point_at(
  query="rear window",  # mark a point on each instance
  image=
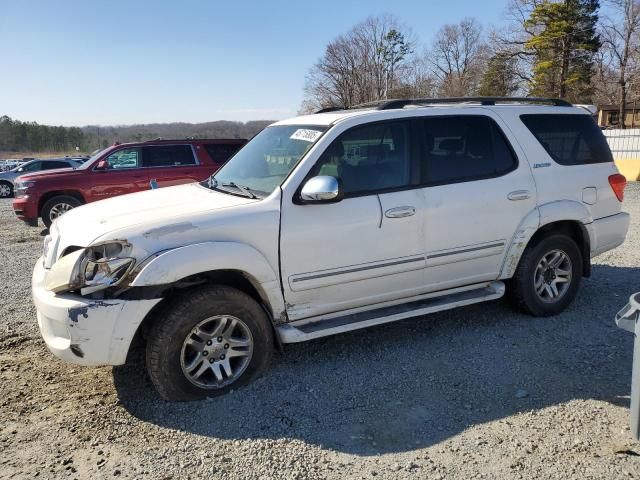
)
(569, 139)
(220, 153)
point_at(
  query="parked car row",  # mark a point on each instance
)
(116, 170)
(321, 224)
(7, 179)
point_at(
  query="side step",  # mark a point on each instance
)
(304, 330)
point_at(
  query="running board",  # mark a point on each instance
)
(304, 330)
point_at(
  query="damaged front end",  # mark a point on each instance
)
(78, 322)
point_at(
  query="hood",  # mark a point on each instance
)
(48, 173)
(146, 211)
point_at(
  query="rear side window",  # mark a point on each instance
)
(569, 139)
(167, 156)
(463, 148)
(220, 153)
(50, 165)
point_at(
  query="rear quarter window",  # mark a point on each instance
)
(569, 139)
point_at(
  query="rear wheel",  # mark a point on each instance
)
(548, 276)
(6, 190)
(57, 206)
(207, 343)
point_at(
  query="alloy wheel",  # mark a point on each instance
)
(59, 209)
(552, 276)
(216, 352)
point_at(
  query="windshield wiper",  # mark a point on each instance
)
(245, 190)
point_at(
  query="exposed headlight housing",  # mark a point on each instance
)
(20, 188)
(92, 269)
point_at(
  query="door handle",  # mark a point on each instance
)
(519, 195)
(400, 212)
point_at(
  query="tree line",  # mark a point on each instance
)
(567, 49)
(17, 136)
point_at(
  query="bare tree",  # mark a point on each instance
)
(366, 64)
(457, 56)
(621, 41)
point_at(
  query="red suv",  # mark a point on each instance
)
(119, 169)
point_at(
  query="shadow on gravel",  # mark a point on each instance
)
(415, 383)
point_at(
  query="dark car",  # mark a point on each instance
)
(119, 169)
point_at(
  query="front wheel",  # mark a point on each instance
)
(548, 276)
(207, 343)
(57, 206)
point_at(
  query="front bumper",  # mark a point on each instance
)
(85, 331)
(26, 209)
(608, 233)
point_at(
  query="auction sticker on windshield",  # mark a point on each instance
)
(306, 135)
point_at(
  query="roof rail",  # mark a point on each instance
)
(401, 103)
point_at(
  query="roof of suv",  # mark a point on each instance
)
(389, 108)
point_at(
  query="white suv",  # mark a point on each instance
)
(332, 222)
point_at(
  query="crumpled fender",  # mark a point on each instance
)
(178, 263)
(561, 210)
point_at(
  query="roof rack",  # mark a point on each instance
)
(401, 103)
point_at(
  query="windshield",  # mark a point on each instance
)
(263, 163)
(93, 158)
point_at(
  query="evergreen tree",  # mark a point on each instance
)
(564, 44)
(500, 78)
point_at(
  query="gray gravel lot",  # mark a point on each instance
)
(478, 392)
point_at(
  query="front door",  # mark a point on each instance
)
(367, 248)
(123, 173)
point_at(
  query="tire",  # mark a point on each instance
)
(188, 327)
(56, 206)
(6, 190)
(532, 287)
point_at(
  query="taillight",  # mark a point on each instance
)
(618, 182)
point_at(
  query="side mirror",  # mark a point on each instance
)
(102, 165)
(321, 189)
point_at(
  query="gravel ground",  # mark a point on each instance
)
(478, 392)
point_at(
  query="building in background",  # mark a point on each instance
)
(609, 115)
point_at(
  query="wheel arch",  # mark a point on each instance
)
(567, 217)
(44, 198)
(231, 264)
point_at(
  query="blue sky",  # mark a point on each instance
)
(123, 62)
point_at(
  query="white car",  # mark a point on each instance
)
(332, 222)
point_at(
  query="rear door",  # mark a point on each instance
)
(477, 192)
(123, 174)
(167, 165)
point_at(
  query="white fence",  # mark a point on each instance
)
(625, 146)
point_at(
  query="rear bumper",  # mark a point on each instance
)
(26, 209)
(608, 233)
(84, 331)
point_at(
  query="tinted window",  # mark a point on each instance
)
(32, 167)
(370, 158)
(168, 156)
(463, 148)
(125, 158)
(50, 165)
(569, 139)
(221, 153)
